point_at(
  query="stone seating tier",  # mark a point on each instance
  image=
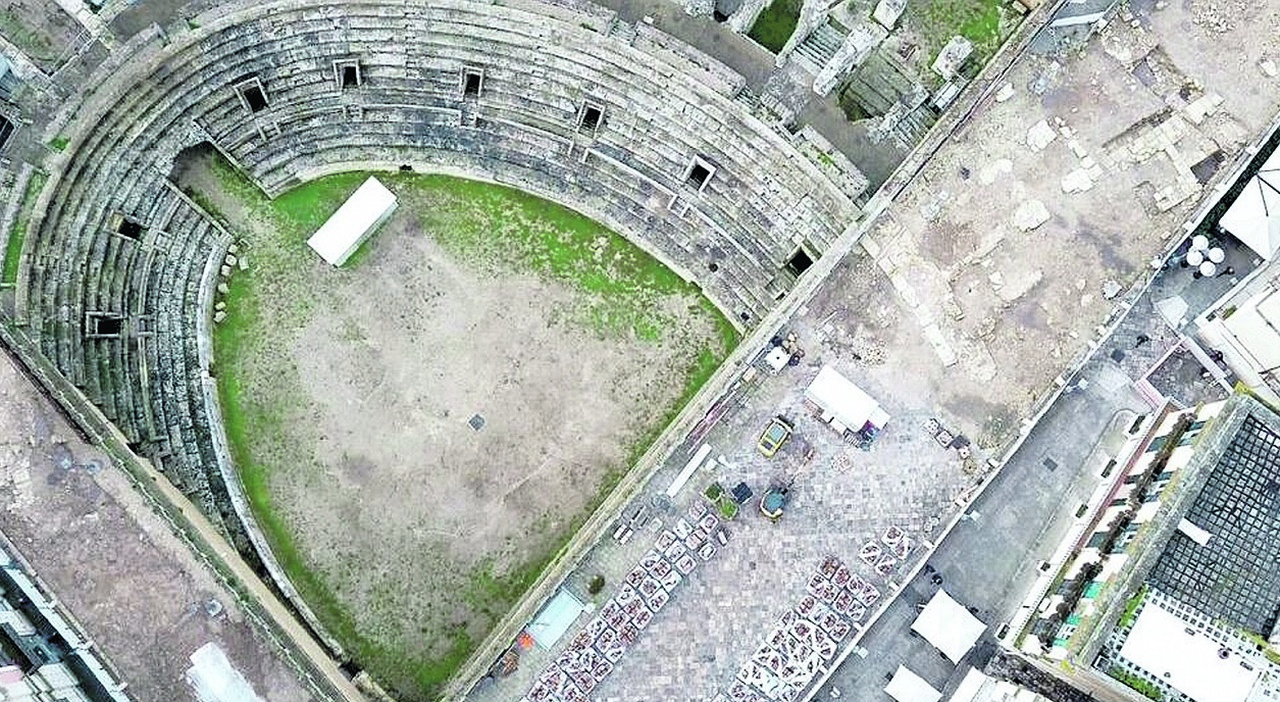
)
(664, 104)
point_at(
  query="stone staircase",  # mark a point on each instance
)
(819, 47)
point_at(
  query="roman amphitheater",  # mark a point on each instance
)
(141, 171)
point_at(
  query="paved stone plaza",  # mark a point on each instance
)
(842, 497)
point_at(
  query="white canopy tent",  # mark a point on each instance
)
(367, 208)
(906, 686)
(843, 403)
(1254, 218)
(948, 626)
(970, 687)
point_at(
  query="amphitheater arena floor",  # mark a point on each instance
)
(138, 591)
(416, 521)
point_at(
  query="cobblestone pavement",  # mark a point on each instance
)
(988, 561)
(841, 498)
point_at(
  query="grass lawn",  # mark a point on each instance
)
(18, 234)
(979, 21)
(560, 245)
(16, 29)
(774, 26)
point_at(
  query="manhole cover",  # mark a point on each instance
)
(476, 422)
(1051, 464)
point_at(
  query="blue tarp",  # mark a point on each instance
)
(555, 618)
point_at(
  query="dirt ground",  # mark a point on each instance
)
(420, 526)
(40, 29)
(1002, 252)
(137, 590)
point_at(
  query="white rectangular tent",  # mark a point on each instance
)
(1254, 217)
(843, 403)
(948, 626)
(1189, 662)
(367, 208)
(906, 686)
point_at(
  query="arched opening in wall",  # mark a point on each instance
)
(722, 10)
(799, 262)
(197, 165)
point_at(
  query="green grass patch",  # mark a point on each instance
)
(34, 44)
(979, 21)
(506, 230)
(775, 25)
(59, 143)
(714, 491)
(1144, 687)
(18, 233)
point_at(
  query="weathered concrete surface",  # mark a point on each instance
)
(142, 596)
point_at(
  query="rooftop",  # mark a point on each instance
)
(1236, 576)
(1163, 644)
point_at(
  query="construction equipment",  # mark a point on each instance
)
(775, 434)
(774, 501)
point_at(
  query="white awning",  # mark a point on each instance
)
(555, 618)
(367, 208)
(948, 626)
(215, 679)
(906, 686)
(843, 402)
(1255, 327)
(969, 687)
(1254, 218)
(1189, 661)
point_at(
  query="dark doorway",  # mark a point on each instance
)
(105, 326)
(799, 262)
(471, 84)
(591, 117)
(6, 129)
(698, 175)
(129, 229)
(254, 97)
